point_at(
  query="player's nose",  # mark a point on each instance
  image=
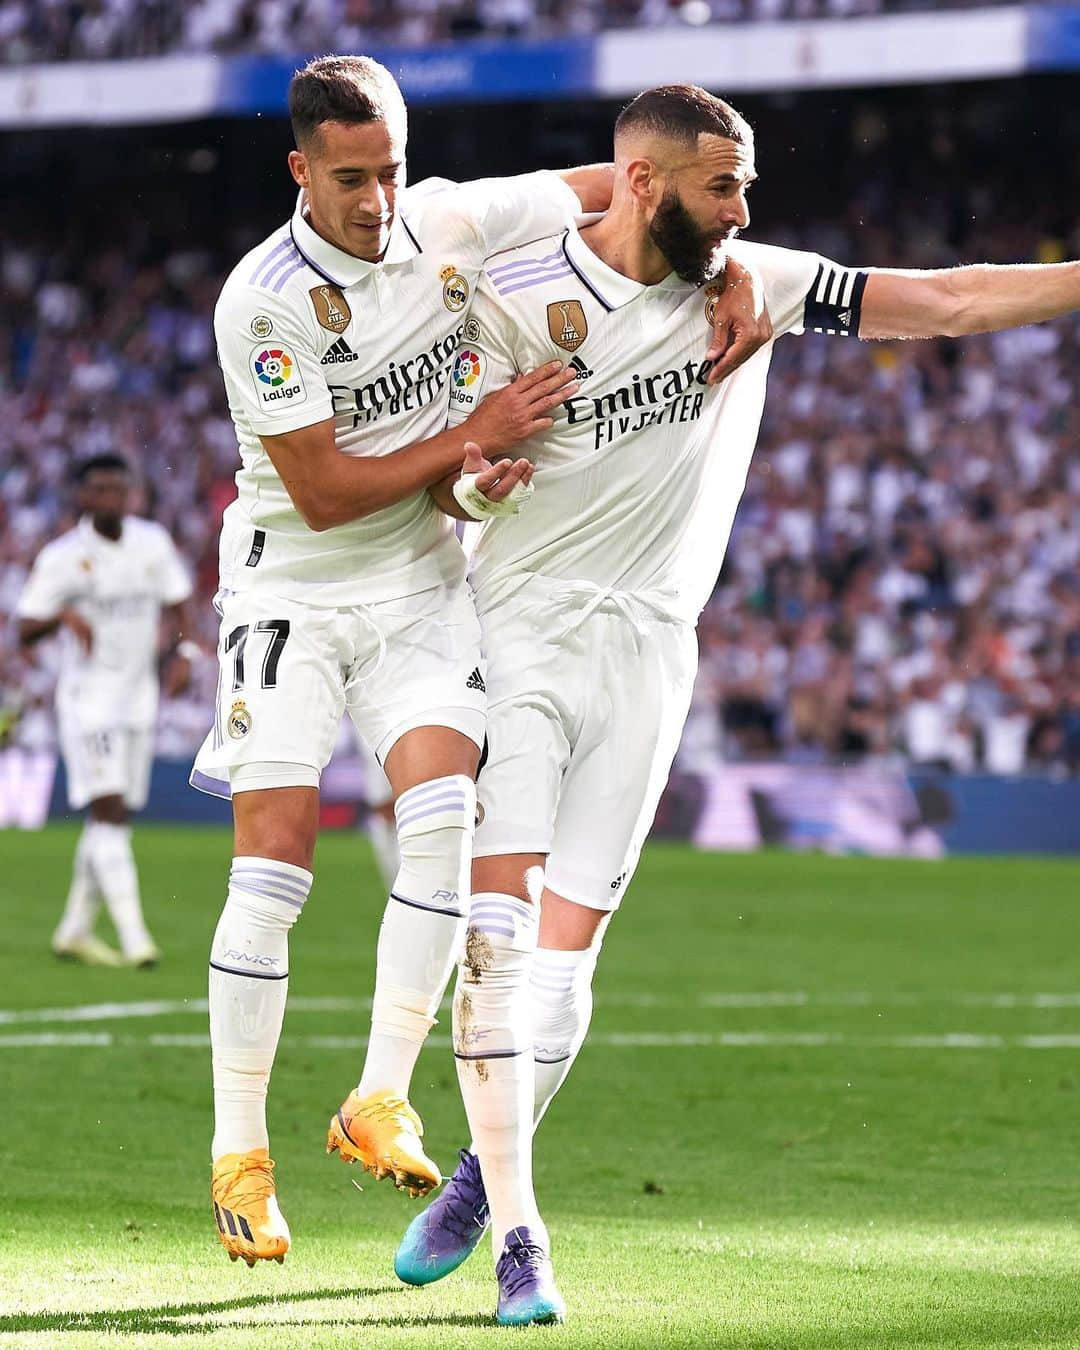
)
(373, 202)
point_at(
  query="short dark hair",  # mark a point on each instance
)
(106, 462)
(683, 112)
(341, 89)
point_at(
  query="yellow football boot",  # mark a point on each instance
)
(383, 1132)
(246, 1208)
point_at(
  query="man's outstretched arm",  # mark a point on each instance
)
(956, 301)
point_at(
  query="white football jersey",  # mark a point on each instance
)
(119, 587)
(306, 332)
(638, 480)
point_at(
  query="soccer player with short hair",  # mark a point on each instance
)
(343, 588)
(107, 588)
(589, 600)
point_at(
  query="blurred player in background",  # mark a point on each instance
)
(379, 826)
(589, 601)
(113, 588)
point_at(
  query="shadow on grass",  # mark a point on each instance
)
(165, 1320)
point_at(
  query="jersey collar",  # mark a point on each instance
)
(86, 528)
(334, 264)
(611, 288)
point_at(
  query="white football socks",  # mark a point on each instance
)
(113, 863)
(249, 969)
(561, 988)
(422, 928)
(83, 900)
(493, 1049)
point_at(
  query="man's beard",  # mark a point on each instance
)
(691, 252)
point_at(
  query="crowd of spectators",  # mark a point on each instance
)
(58, 30)
(902, 582)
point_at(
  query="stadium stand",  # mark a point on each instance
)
(48, 30)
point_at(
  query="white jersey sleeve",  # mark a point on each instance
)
(486, 360)
(804, 291)
(269, 354)
(513, 211)
(174, 584)
(48, 588)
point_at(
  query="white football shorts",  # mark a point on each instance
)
(587, 695)
(287, 672)
(113, 762)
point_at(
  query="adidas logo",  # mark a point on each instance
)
(583, 371)
(476, 681)
(340, 351)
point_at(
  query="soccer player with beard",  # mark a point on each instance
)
(588, 601)
(342, 588)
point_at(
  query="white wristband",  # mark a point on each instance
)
(190, 651)
(471, 500)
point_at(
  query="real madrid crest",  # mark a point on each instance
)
(455, 291)
(239, 720)
(567, 324)
(331, 308)
(713, 292)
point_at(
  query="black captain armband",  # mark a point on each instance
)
(834, 301)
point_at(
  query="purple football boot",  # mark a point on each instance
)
(441, 1237)
(527, 1290)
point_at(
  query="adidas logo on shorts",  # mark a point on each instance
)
(340, 351)
(476, 681)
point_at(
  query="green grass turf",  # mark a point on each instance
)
(856, 1193)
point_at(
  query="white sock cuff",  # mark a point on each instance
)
(506, 917)
(271, 880)
(555, 973)
(441, 803)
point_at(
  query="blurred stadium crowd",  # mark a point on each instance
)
(902, 582)
(51, 30)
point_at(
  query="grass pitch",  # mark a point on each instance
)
(826, 1103)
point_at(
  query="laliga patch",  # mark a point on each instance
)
(467, 378)
(567, 324)
(455, 291)
(331, 308)
(238, 723)
(277, 378)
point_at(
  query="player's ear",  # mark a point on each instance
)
(642, 178)
(298, 167)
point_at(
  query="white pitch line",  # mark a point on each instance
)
(721, 1040)
(110, 1012)
(164, 1007)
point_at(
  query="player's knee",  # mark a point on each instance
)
(109, 810)
(517, 874)
(568, 926)
(435, 825)
(279, 824)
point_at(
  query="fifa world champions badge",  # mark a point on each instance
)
(331, 308)
(567, 324)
